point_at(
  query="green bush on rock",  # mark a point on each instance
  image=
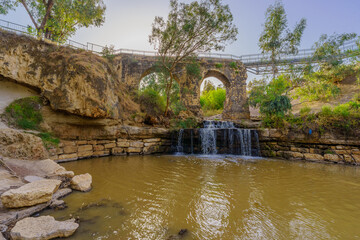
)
(25, 113)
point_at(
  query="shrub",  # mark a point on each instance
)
(213, 99)
(108, 52)
(151, 101)
(233, 65)
(49, 140)
(219, 65)
(25, 113)
(187, 123)
(305, 111)
(193, 69)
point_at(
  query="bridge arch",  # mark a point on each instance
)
(220, 76)
(216, 74)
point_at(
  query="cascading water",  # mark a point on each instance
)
(179, 147)
(218, 137)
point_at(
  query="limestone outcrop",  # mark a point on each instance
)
(42, 228)
(20, 145)
(30, 194)
(81, 182)
(42, 168)
(74, 81)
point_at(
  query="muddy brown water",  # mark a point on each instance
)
(154, 197)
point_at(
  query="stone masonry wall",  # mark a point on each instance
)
(69, 150)
(294, 145)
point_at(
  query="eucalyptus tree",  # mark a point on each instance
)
(59, 19)
(277, 38)
(200, 26)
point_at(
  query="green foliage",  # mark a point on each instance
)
(319, 81)
(233, 65)
(187, 123)
(344, 117)
(25, 113)
(108, 52)
(328, 49)
(49, 140)
(152, 95)
(199, 26)
(59, 19)
(219, 65)
(305, 111)
(213, 99)
(271, 97)
(193, 69)
(7, 5)
(151, 101)
(212, 112)
(276, 38)
(315, 89)
(208, 86)
(194, 27)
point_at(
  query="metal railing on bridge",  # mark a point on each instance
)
(255, 63)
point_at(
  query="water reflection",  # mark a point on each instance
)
(225, 197)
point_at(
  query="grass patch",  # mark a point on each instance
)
(212, 112)
(219, 65)
(49, 140)
(187, 123)
(25, 113)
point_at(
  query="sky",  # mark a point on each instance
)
(128, 23)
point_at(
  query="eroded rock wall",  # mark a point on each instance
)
(293, 144)
(74, 81)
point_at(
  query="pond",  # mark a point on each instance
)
(214, 197)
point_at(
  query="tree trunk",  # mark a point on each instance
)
(49, 6)
(168, 89)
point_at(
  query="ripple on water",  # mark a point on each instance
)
(222, 197)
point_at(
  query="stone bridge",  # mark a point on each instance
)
(133, 68)
(86, 84)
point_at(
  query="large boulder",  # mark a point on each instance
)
(42, 228)
(81, 182)
(30, 194)
(74, 81)
(17, 144)
(41, 168)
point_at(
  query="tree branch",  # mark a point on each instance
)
(49, 6)
(28, 11)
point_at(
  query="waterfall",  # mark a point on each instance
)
(218, 137)
(179, 147)
(208, 140)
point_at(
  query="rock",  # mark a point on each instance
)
(292, 155)
(30, 194)
(81, 182)
(180, 235)
(11, 216)
(30, 179)
(1, 236)
(136, 144)
(15, 144)
(43, 168)
(70, 83)
(332, 157)
(134, 150)
(41, 228)
(316, 157)
(58, 204)
(8, 180)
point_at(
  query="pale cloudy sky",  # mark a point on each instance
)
(128, 23)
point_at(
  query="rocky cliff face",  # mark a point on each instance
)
(74, 81)
(20, 145)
